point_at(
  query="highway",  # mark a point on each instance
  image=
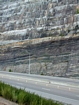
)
(56, 88)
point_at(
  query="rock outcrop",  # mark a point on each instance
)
(23, 19)
(42, 33)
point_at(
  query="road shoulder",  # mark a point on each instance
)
(6, 102)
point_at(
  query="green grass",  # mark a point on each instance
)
(22, 97)
(61, 34)
(77, 11)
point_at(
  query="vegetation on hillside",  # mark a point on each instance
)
(22, 97)
(77, 11)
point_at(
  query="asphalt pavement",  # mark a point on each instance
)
(60, 89)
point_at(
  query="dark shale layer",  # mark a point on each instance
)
(54, 57)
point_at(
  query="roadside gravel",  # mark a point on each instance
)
(6, 102)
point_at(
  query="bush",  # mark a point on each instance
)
(61, 34)
(10, 70)
(77, 11)
(42, 73)
(22, 97)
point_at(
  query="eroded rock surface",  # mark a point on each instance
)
(45, 31)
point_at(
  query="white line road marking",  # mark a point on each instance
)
(30, 79)
(58, 86)
(46, 89)
(18, 79)
(46, 84)
(42, 81)
(69, 89)
(35, 82)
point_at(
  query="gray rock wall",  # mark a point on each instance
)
(29, 19)
(37, 18)
(55, 57)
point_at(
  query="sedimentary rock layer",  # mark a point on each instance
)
(57, 57)
(42, 34)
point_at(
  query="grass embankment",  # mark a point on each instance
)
(22, 97)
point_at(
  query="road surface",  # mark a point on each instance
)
(60, 89)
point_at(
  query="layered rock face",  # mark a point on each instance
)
(35, 33)
(23, 19)
(52, 56)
